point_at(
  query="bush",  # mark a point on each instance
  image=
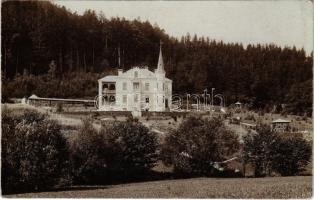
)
(258, 149)
(293, 153)
(131, 148)
(87, 155)
(120, 150)
(194, 147)
(304, 117)
(286, 153)
(229, 114)
(131, 119)
(59, 108)
(34, 153)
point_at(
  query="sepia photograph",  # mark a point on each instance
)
(157, 99)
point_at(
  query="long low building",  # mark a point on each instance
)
(35, 100)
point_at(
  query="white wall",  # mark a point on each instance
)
(144, 76)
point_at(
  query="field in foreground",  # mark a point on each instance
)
(272, 187)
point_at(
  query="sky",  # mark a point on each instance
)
(284, 23)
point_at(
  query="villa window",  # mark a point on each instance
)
(147, 99)
(135, 98)
(166, 88)
(124, 98)
(124, 85)
(105, 88)
(112, 99)
(136, 86)
(105, 85)
(135, 74)
(147, 86)
(112, 87)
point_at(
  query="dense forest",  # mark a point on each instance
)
(52, 52)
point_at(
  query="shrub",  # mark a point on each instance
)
(118, 151)
(197, 144)
(258, 149)
(286, 153)
(238, 110)
(59, 108)
(174, 117)
(131, 148)
(293, 153)
(250, 117)
(34, 153)
(229, 114)
(87, 155)
(132, 119)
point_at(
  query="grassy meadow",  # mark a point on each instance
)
(272, 187)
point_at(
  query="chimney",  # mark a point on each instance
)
(120, 71)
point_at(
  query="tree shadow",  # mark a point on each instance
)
(61, 189)
(118, 179)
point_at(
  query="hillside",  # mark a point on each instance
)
(58, 53)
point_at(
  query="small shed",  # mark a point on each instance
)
(281, 125)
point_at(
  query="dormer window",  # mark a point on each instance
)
(135, 74)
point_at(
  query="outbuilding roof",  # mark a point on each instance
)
(281, 121)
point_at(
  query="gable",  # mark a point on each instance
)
(139, 72)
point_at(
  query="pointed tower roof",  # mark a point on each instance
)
(160, 65)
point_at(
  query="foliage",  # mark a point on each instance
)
(119, 150)
(266, 150)
(131, 148)
(87, 155)
(258, 149)
(299, 98)
(59, 108)
(250, 117)
(72, 85)
(34, 153)
(197, 144)
(293, 154)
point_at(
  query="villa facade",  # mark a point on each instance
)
(137, 89)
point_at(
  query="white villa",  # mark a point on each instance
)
(137, 89)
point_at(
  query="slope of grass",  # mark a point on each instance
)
(273, 187)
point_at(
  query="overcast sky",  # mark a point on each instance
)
(285, 23)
